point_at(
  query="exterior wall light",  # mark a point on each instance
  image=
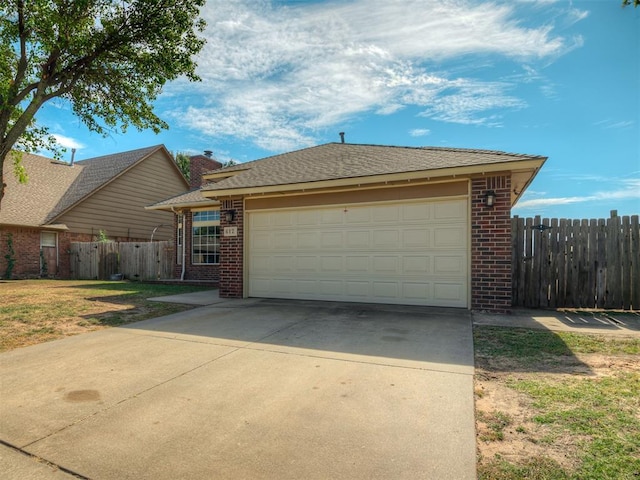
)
(229, 215)
(490, 198)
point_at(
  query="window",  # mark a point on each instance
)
(205, 238)
(179, 240)
(48, 239)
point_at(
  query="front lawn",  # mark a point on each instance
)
(554, 405)
(36, 311)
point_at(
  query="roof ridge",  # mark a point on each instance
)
(444, 149)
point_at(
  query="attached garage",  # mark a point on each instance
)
(368, 223)
(411, 252)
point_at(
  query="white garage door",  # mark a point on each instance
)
(412, 253)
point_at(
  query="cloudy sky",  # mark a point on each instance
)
(548, 77)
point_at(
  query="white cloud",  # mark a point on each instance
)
(276, 75)
(628, 189)
(67, 142)
(420, 132)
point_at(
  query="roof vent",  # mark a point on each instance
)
(341, 137)
(208, 153)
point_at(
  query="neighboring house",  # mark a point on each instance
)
(359, 223)
(63, 203)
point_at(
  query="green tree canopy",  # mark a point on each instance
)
(183, 161)
(108, 58)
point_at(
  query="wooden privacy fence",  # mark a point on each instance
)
(576, 263)
(134, 260)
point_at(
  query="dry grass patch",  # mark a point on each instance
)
(556, 405)
(36, 311)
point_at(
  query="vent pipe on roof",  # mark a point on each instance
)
(73, 156)
(341, 137)
(208, 153)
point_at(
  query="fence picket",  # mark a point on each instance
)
(576, 263)
(135, 260)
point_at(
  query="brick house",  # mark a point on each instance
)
(361, 223)
(63, 203)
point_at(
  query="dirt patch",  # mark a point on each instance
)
(505, 418)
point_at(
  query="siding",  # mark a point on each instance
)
(118, 208)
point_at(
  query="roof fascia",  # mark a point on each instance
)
(56, 226)
(179, 206)
(532, 164)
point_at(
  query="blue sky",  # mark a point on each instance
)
(549, 77)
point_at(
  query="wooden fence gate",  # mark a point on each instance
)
(576, 263)
(134, 260)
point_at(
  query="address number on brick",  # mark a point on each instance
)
(230, 231)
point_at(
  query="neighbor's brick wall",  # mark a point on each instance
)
(231, 252)
(491, 245)
(26, 245)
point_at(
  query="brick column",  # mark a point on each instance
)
(491, 245)
(232, 251)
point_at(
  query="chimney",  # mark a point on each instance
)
(73, 156)
(341, 137)
(200, 164)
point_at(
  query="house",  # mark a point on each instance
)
(361, 223)
(78, 202)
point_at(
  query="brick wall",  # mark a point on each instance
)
(231, 251)
(199, 164)
(491, 245)
(26, 247)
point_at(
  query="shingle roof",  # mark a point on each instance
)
(191, 198)
(55, 186)
(30, 204)
(343, 160)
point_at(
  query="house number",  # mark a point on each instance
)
(230, 231)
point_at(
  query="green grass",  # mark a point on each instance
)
(35, 311)
(600, 414)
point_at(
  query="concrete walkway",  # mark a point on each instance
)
(593, 322)
(250, 389)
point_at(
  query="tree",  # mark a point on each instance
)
(108, 58)
(629, 2)
(183, 161)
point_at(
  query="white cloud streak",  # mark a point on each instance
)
(68, 142)
(628, 189)
(276, 75)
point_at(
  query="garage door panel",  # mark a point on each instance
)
(358, 239)
(333, 216)
(448, 292)
(308, 240)
(307, 264)
(416, 238)
(412, 253)
(330, 264)
(416, 212)
(358, 264)
(450, 237)
(385, 265)
(412, 265)
(386, 239)
(450, 211)
(450, 264)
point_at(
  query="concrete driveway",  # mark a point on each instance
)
(247, 389)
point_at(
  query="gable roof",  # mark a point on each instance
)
(192, 198)
(339, 161)
(54, 187)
